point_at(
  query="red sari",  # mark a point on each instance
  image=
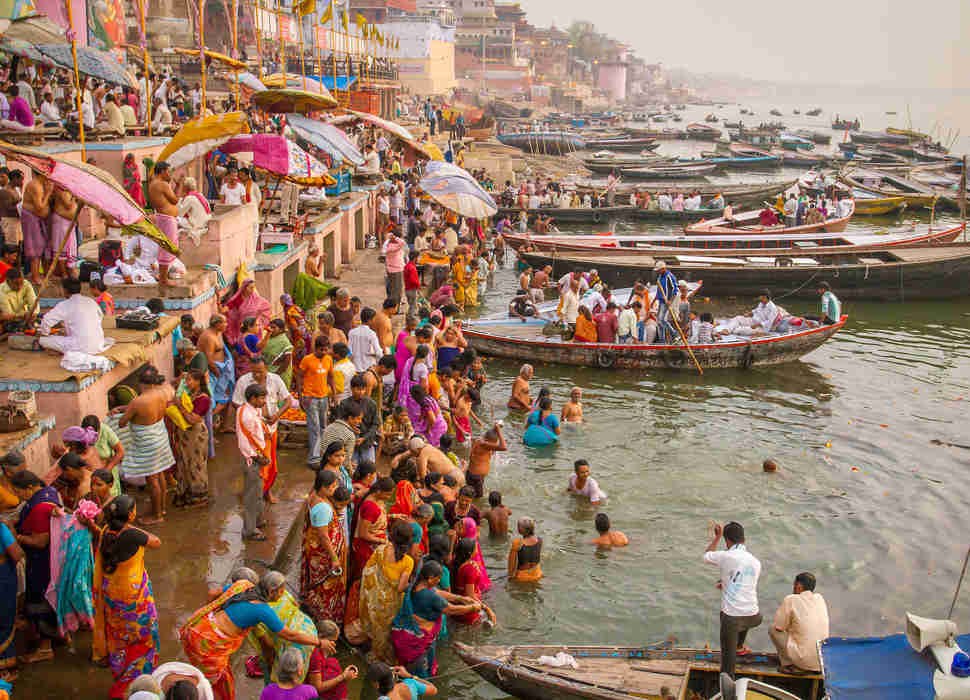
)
(324, 595)
(469, 573)
(361, 549)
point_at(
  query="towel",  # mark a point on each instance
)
(147, 448)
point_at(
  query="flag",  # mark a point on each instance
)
(380, 37)
(327, 15)
(343, 20)
(306, 7)
(360, 21)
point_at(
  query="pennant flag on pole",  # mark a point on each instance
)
(360, 21)
(328, 15)
(343, 20)
(306, 7)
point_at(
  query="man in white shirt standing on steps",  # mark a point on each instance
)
(739, 591)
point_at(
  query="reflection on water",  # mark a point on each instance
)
(865, 499)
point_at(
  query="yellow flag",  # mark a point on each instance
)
(360, 21)
(343, 20)
(380, 37)
(328, 15)
(306, 7)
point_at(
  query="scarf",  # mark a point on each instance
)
(202, 200)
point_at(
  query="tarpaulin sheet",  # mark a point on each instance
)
(879, 668)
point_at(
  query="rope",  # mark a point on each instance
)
(462, 669)
(956, 593)
(799, 287)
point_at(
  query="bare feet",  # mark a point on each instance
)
(151, 521)
(270, 498)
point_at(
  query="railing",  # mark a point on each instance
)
(351, 66)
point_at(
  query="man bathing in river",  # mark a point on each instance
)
(582, 484)
(521, 400)
(572, 410)
(607, 537)
(429, 458)
(497, 515)
(480, 457)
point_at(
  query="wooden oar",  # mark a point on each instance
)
(683, 337)
(50, 268)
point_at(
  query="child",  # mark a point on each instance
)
(705, 330)
(497, 515)
(572, 410)
(461, 413)
(449, 491)
(447, 442)
(324, 672)
(476, 372)
(364, 478)
(105, 301)
(396, 432)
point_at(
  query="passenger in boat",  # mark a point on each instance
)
(718, 201)
(543, 224)
(693, 203)
(766, 315)
(572, 410)
(703, 332)
(680, 305)
(768, 217)
(537, 285)
(608, 537)
(728, 215)
(801, 622)
(831, 307)
(607, 324)
(569, 306)
(522, 306)
(844, 206)
(740, 571)
(678, 203)
(585, 326)
(814, 215)
(791, 211)
(665, 202)
(521, 400)
(666, 289)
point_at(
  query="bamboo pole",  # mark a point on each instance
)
(144, 57)
(279, 30)
(235, 48)
(333, 48)
(259, 41)
(680, 330)
(77, 82)
(317, 53)
(302, 57)
(202, 106)
(50, 268)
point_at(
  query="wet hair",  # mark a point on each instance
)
(341, 495)
(467, 492)
(324, 479)
(254, 391)
(602, 523)
(332, 449)
(182, 690)
(439, 547)
(445, 443)
(734, 532)
(494, 499)
(431, 569)
(545, 403)
(104, 476)
(431, 478)
(155, 305)
(25, 480)
(382, 676)
(526, 526)
(91, 421)
(364, 470)
(401, 537)
(150, 376)
(464, 551)
(117, 513)
(806, 581)
(450, 481)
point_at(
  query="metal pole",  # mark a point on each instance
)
(77, 83)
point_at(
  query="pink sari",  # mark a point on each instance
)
(401, 355)
(241, 307)
(470, 529)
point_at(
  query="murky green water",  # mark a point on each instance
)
(864, 499)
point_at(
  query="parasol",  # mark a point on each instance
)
(215, 56)
(283, 100)
(35, 29)
(454, 188)
(428, 150)
(326, 137)
(97, 64)
(391, 127)
(24, 49)
(92, 186)
(295, 81)
(199, 136)
(250, 81)
(280, 156)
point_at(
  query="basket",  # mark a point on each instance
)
(140, 323)
(25, 401)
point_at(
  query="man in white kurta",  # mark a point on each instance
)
(81, 317)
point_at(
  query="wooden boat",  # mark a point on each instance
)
(845, 125)
(889, 185)
(572, 214)
(544, 142)
(702, 132)
(775, 113)
(626, 143)
(814, 136)
(799, 158)
(623, 673)
(740, 194)
(795, 143)
(939, 271)
(670, 172)
(760, 245)
(609, 164)
(877, 137)
(909, 134)
(747, 222)
(814, 112)
(872, 204)
(739, 162)
(659, 134)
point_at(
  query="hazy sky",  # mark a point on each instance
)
(826, 41)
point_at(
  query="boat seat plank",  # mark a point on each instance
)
(644, 678)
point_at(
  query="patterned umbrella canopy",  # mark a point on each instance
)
(326, 137)
(250, 81)
(284, 100)
(36, 29)
(391, 127)
(199, 136)
(454, 188)
(97, 64)
(280, 156)
(92, 186)
(24, 49)
(292, 80)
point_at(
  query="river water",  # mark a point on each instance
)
(865, 499)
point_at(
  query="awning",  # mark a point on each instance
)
(343, 81)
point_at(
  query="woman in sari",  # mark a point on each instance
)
(405, 345)
(427, 419)
(278, 351)
(369, 526)
(384, 580)
(417, 625)
(459, 273)
(126, 622)
(585, 326)
(131, 179)
(243, 304)
(248, 347)
(72, 566)
(216, 630)
(34, 536)
(323, 576)
(406, 499)
(467, 578)
(273, 586)
(542, 425)
(191, 444)
(10, 554)
(468, 529)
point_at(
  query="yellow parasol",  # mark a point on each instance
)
(281, 101)
(199, 136)
(428, 150)
(215, 56)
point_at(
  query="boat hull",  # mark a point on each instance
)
(939, 272)
(879, 207)
(736, 355)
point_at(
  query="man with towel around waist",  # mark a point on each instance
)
(33, 222)
(61, 225)
(165, 202)
(148, 452)
(222, 370)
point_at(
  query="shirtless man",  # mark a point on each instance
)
(165, 202)
(326, 328)
(608, 537)
(572, 410)
(221, 382)
(151, 453)
(60, 225)
(429, 458)
(525, 279)
(381, 323)
(480, 457)
(538, 284)
(33, 221)
(497, 515)
(314, 262)
(521, 400)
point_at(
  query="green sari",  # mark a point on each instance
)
(293, 618)
(274, 350)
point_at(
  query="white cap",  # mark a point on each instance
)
(682, 283)
(661, 265)
(417, 443)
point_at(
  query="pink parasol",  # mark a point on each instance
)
(280, 156)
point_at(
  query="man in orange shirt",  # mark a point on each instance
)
(315, 387)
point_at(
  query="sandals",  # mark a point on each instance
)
(256, 536)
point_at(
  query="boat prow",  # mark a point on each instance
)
(623, 673)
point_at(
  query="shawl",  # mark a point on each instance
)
(241, 306)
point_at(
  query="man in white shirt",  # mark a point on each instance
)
(739, 591)
(233, 191)
(765, 315)
(252, 438)
(844, 207)
(566, 280)
(27, 92)
(111, 114)
(582, 484)
(626, 331)
(49, 110)
(569, 304)
(344, 371)
(372, 162)
(196, 95)
(801, 622)
(81, 317)
(534, 201)
(382, 145)
(161, 116)
(161, 92)
(791, 208)
(365, 346)
(665, 202)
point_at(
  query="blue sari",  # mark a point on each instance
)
(539, 434)
(416, 648)
(8, 604)
(74, 595)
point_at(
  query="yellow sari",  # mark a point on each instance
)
(293, 618)
(380, 599)
(460, 274)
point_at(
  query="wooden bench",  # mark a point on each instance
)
(34, 137)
